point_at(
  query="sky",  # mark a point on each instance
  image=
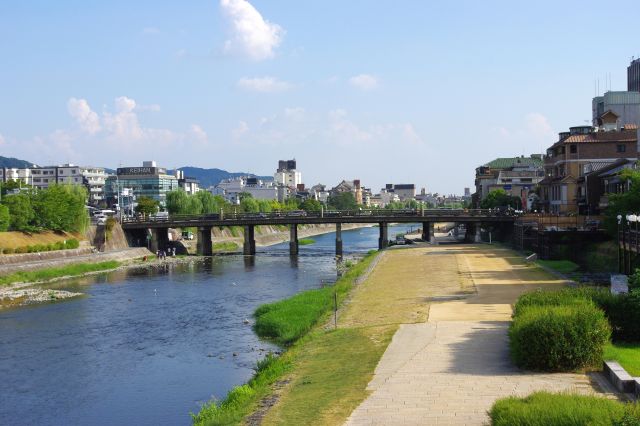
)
(403, 91)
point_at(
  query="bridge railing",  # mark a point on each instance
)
(417, 213)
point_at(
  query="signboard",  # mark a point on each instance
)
(619, 284)
(506, 187)
(141, 171)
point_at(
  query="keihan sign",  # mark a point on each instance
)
(141, 171)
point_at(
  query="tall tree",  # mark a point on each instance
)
(147, 206)
(343, 201)
(20, 211)
(5, 218)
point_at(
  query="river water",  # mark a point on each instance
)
(147, 347)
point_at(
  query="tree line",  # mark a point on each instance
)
(56, 208)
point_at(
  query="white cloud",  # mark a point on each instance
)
(263, 84)
(343, 130)
(252, 35)
(240, 130)
(538, 125)
(86, 118)
(364, 82)
(198, 134)
(123, 124)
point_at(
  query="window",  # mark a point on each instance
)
(621, 148)
(573, 149)
(61, 172)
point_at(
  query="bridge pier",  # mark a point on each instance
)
(383, 241)
(293, 240)
(477, 237)
(427, 232)
(205, 244)
(338, 239)
(159, 239)
(249, 248)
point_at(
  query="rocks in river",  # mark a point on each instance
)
(235, 354)
(30, 296)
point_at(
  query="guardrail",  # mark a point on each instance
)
(298, 214)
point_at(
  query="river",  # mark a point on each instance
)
(147, 347)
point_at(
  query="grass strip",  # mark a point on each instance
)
(626, 354)
(286, 322)
(544, 408)
(225, 246)
(63, 271)
(306, 241)
(562, 266)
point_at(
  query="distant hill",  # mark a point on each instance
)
(9, 162)
(211, 177)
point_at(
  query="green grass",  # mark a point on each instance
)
(50, 273)
(543, 409)
(225, 246)
(242, 399)
(288, 320)
(562, 266)
(626, 354)
(306, 241)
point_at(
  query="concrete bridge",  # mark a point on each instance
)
(158, 227)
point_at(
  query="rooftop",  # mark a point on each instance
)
(508, 162)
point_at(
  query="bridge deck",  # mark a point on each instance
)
(299, 218)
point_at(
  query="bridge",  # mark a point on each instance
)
(158, 227)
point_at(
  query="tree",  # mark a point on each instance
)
(500, 198)
(249, 204)
(147, 206)
(21, 211)
(61, 208)
(177, 202)
(311, 205)
(5, 218)
(208, 202)
(625, 203)
(343, 201)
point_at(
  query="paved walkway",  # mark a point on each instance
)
(451, 369)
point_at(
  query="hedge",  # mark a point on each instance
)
(37, 248)
(543, 409)
(559, 338)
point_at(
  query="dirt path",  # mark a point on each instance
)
(452, 368)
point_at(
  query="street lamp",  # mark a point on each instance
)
(619, 218)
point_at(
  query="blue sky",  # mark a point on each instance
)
(384, 91)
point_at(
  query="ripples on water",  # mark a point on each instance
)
(146, 347)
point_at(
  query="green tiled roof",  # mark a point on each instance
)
(504, 163)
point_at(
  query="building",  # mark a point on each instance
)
(405, 192)
(600, 180)
(615, 109)
(146, 181)
(577, 153)
(187, 184)
(231, 189)
(515, 175)
(352, 186)
(633, 76)
(319, 193)
(287, 174)
(92, 178)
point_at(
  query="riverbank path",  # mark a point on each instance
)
(452, 368)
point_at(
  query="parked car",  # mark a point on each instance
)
(187, 235)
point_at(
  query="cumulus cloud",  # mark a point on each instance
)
(538, 125)
(240, 130)
(86, 118)
(252, 35)
(364, 82)
(263, 84)
(197, 133)
(123, 124)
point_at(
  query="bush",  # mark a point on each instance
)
(543, 408)
(564, 297)
(623, 313)
(23, 249)
(559, 338)
(72, 244)
(58, 245)
(8, 250)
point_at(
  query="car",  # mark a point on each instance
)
(297, 213)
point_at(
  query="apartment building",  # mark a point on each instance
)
(515, 175)
(578, 152)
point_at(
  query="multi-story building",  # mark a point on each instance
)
(146, 181)
(404, 191)
(615, 110)
(187, 184)
(231, 189)
(93, 178)
(319, 193)
(352, 186)
(515, 175)
(577, 153)
(287, 174)
(633, 76)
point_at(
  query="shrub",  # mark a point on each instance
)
(623, 313)
(23, 249)
(564, 297)
(72, 244)
(8, 250)
(58, 245)
(543, 408)
(559, 338)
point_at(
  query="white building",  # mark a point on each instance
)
(231, 189)
(287, 174)
(93, 178)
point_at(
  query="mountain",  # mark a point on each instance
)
(211, 177)
(11, 163)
